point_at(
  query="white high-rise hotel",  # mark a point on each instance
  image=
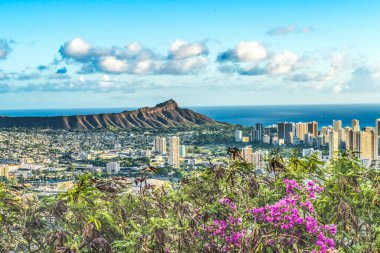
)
(174, 151)
(160, 145)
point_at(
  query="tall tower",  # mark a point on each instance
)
(301, 130)
(289, 132)
(355, 125)
(378, 135)
(334, 144)
(174, 151)
(281, 130)
(246, 153)
(337, 125)
(312, 127)
(160, 145)
(368, 146)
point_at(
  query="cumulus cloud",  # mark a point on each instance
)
(183, 66)
(285, 30)
(183, 58)
(5, 48)
(77, 49)
(245, 51)
(363, 79)
(181, 50)
(283, 63)
(252, 58)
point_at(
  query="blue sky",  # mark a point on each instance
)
(58, 54)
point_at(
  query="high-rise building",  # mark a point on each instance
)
(309, 139)
(337, 125)
(274, 140)
(301, 130)
(333, 144)
(266, 139)
(281, 130)
(160, 145)
(378, 134)
(246, 153)
(349, 138)
(174, 151)
(312, 127)
(324, 131)
(260, 132)
(368, 144)
(258, 159)
(355, 125)
(289, 132)
(238, 135)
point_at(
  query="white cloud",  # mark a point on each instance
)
(183, 66)
(250, 51)
(180, 49)
(245, 51)
(283, 63)
(76, 49)
(183, 58)
(112, 65)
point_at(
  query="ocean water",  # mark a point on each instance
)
(246, 115)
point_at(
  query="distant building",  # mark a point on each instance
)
(258, 159)
(4, 171)
(274, 140)
(312, 127)
(160, 145)
(334, 144)
(238, 135)
(337, 125)
(289, 132)
(301, 129)
(309, 139)
(311, 151)
(368, 144)
(174, 151)
(113, 167)
(245, 139)
(266, 139)
(246, 153)
(378, 135)
(355, 125)
(182, 150)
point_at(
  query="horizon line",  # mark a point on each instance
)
(187, 106)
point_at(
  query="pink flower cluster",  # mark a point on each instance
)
(228, 232)
(294, 219)
(313, 188)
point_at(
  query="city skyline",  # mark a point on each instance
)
(57, 54)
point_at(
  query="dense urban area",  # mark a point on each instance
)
(49, 161)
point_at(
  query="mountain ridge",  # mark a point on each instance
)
(163, 115)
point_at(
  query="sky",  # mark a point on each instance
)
(84, 54)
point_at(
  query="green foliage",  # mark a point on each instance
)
(106, 215)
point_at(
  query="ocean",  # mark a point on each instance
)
(246, 115)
